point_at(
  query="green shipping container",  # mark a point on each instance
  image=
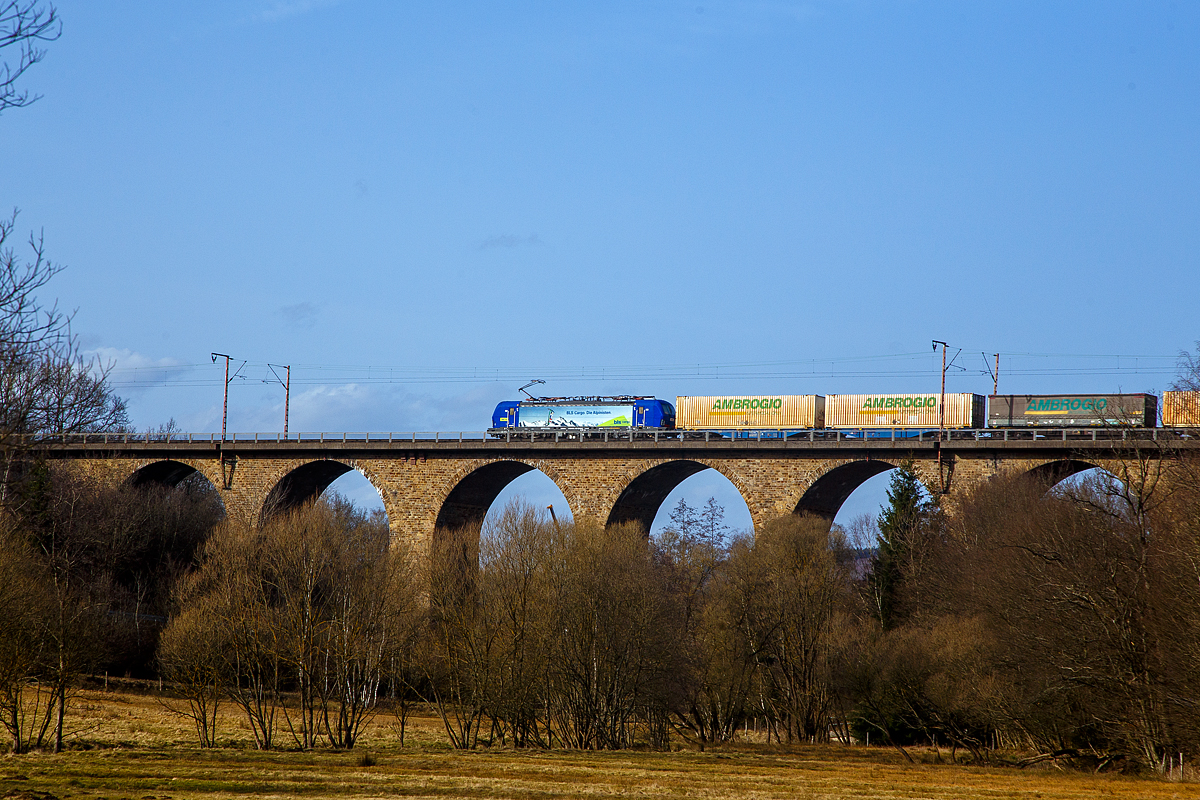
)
(1072, 410)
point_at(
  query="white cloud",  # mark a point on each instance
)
(357, 408)
(130, 371)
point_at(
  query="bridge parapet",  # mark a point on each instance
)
(1185, 437)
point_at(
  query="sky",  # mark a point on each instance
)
(422, 206)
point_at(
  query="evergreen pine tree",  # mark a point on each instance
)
(901, 525)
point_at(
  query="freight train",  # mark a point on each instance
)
(780, 415)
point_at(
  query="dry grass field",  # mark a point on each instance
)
(126, 745)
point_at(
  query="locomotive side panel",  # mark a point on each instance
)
(576, 415)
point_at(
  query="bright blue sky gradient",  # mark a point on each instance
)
(537, 187)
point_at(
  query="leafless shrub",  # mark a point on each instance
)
(315, 602)
(1085, 598)
(192, 656)
(25, 708)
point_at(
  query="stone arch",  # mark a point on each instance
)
(1053, 472)
(826, 494)
(474, 488)
(301, 485)
(171, 474)
(645, 491)
(167, 472)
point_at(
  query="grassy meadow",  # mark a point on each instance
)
(128, 745)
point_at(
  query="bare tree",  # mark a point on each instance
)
(714, 667)
(27, 328)
(222, 638)
(23, 24)
(25, 707)
(795, 585)
(609, 663)
(515, 558)
(1089, 595)
(317, 602)
(192, 656)
(326, 566)
(370, 607)
(72, 395)
(461, 637)
(72, 632)
(94, 570)
(47, 386)
(1188, 377)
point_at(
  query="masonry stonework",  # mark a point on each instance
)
(415, 489)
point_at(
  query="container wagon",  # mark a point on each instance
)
(962, 410)
(728, 413)
(1181, 409)
(1072, 410)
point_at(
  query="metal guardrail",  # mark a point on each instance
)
(568, 435)
(314, 437)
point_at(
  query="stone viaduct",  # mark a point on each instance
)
(446, 480)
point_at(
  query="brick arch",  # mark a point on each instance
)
(644, 488)
(1044, 473)
(165, 472)
(367, 471)
(733, 476)
(471, 490)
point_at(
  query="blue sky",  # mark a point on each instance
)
(696, 198)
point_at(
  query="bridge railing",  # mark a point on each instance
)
(297, 437)
(588, 435)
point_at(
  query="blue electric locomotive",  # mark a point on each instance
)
(584, 412)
